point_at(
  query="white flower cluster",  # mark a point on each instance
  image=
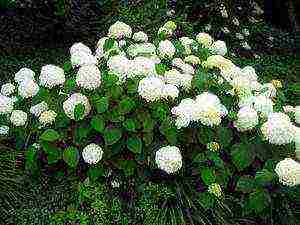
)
(27, 85)
(6, 104)
(166, 49)
(52, 76)
(154, 88)
(169, 159)
(206, 108)
(4, 130)
(75, 99)
(18, 118)
(7, 89)
(140, 37)
(47, 117)
(288, 171)
(88, 77)
(81, 55)
(247, 118)
(37, 109)
(215, 189)
(92, 153)
(278, 129)
(120, 30)
(167, 29)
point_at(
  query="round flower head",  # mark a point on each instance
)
(184, 112)
(288, 171)
(6, 104)
(37, 109)
(263, 105)
(247, 119)
(191, 59)
(141, 67)
(213, 146)
(186, 42)
(170, 90)
(81, 58)
(215, 189)
(119, 30)
(92, 153)
(278, 129)
(169, 159)
(219, 47)
(204, 39)
(52, 76)
(80, 47)
(24, 74)
(250, 73)
(119, 65)
(88, 77)
(7, 89)
(47, 117)
(75, 99)
(217, 61)
(297, 114)
(18, 118)
(150, 88)
(140, 37)
(4, 130)
(28, 88)
(166, 49)
(178, 79)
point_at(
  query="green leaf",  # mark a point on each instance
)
(225, 136)
(205, 135)
(148, 124)
(134, 145)
(206, 200)
(50, 135)
(98, 123)
(242, 156)
(160, 68)
(31, 158)
(95, 172)
(129, 124)
(108, 44)
(102, 104)
(112, 135)
(208, 176)
(246, 184)
(128, 166)
(264, 177)
(258, 201)
(53, 153)
(126, 105)
(148, 138)
(71, 156)
(79, 111)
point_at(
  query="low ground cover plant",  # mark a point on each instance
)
(172, 127)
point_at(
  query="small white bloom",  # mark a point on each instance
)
(288, 171)
(263, 105)
(80, 47)
(28, 88)
(75, 99)
(239, 36)
(219, 47)
(92, 153)
(288, 109)
(18, 118)
(122, 43)
(223, 11)
(24, 74)
(6, 104)
(166, 49)
(246, 46)
(7, 89)
(150, 88)
(37, 109)
(140, 37)
(119, 30)
(169, 159)
(204, 39)
(226, 30)
(4, 130)
(235, 21)
(278, 129)
(247, 119)
(47, 117)
(215, 189)
(246, 32)
(52, 76)
(88, 77)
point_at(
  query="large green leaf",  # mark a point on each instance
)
(264, 177)
(206, 200)
(98, 123)
(135, 144)
(208, 176)
(242, 156)
(129, 124)
(79, 111)
(112, 135)
(71, 156)
(95, 172)
(205, 135)
(246, 184)
(108, 44)
(128, 166)
(53, 153)
(258, 201)
(225, 136)
(50, 135)
(126, 105)
(102, 104)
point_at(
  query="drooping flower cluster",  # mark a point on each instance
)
(169, 159)
(288, 171)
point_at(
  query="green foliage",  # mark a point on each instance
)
(71, 156)
(50, 135)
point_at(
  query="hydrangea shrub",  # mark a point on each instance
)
(137, 106)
